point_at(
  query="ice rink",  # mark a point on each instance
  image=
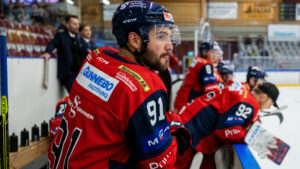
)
(288, 131)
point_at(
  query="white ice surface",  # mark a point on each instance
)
(288, 131)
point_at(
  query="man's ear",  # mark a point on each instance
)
(134, 41)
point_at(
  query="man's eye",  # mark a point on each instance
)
(162, 36)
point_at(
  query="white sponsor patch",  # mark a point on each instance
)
(232, 132)
(76, 108)
(102, 60)
(96, 81)
(122, 76)
(89, 57)
(162, 163)
(194, 62)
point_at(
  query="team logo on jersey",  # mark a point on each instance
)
(157, 139)
(137, 76)
(96, 81)
(234, 120)
(74, 108)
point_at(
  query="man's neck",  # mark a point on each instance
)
(125, 53)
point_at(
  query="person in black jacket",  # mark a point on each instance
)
(70, 51)
(85, 37)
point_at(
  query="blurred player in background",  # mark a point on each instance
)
(255, 76)
(225, 70)
(200, 78)
(224, 119)
(59, 112)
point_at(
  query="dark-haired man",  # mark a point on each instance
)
(69, 50)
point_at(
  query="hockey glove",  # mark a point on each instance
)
(182, 134)
(54, 125)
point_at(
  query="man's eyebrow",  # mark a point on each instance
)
(163, 33)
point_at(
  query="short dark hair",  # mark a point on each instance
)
(82, 26)
(269, 89)
(68, 18)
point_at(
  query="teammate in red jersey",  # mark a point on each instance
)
(200, 78)
(115, 116)
(225, 70)
(255, 76)
(59, 112)
(225, 118)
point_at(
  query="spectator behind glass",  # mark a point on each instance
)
(70, 53)
(85, 37)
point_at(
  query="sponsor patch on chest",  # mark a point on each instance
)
(96, 81)
(137, 77)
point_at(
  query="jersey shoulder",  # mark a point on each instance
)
(239, 92)
(200, 62)
(108, 75)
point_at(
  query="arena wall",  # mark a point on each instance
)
(30, 103)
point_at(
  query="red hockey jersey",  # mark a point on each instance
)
(199, 80)
(222, 119)
(115, 118)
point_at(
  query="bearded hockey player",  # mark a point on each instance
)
(116, 113)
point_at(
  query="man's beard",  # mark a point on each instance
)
(149, 59)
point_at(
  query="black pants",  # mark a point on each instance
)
(68, 81)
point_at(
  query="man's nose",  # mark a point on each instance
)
(169, 46)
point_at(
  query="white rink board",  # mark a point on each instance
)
(28, 102)
(277, 77)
